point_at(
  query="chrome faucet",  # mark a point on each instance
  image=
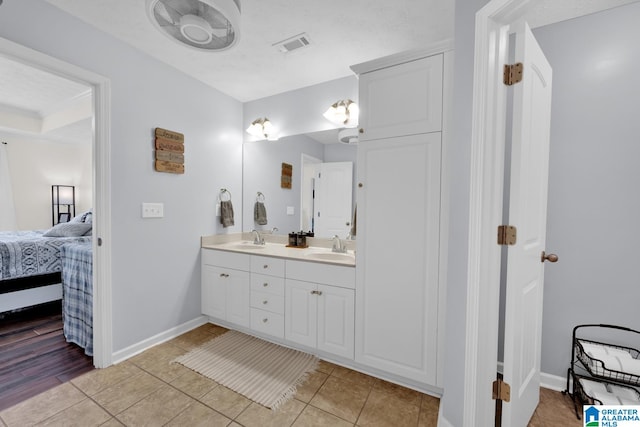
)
(274, 229)
(338, 245)
(257, 238)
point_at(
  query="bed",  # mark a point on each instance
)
(30, 262)
(77, 294)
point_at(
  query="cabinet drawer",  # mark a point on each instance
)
(267, 323)
(268, 302)
(327, 274)
(226, 259)
(270, 284)
(267, 265)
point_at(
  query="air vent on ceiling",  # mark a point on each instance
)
(293, 43)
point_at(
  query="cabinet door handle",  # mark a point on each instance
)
(224, 275)
(265, 285)
(265, 266)
(265, 302)
(361, 130)
(265, 320)
(316, 292)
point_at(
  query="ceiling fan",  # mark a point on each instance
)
(210, 25)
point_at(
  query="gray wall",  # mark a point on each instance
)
(594, 173)
(460, 155)
(156, 265)
(593, 202)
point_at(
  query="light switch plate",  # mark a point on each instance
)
(152, 210)
(290, 210)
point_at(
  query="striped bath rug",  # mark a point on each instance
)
(261, 371)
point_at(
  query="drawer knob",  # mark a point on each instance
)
(265, 320)
(265, 302)
(265, 266)
(265, 284)
(224, 275)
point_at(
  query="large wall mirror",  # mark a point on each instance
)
(322, 195)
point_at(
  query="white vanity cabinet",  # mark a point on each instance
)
(319, 306)
(267, 295)
(398, 285)
(225, 286)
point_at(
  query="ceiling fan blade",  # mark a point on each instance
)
(168, 13)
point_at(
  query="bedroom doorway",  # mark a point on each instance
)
(101, 174)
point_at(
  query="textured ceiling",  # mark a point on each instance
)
(342, 33)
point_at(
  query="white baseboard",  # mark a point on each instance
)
(553, 382)
(442, 421)
(132, 350)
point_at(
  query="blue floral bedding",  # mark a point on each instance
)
(28, 253)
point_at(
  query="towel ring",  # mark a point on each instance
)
(259, 197)
(224, 191)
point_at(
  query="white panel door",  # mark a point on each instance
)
(214, 291)
(300, 312)
(334, 195)
(405, 99)
(528, 212)
(336, 320)
(238, 298)
(398, 254)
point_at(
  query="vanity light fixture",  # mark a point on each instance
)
(263, 129)
(343, 112)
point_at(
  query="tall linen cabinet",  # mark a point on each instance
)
(400, 208)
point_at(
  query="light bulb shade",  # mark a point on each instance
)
(63, 195)
(344, 112)
(263, 129)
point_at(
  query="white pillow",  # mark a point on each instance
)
(68, 229)
(83, 217)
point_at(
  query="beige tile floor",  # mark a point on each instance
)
(147, 390)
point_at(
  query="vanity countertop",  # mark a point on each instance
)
(319, 250)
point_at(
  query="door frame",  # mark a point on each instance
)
(485, 207)
(101, 167)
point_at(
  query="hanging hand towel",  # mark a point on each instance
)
(226, 213)
(353, 223)
(260, 213)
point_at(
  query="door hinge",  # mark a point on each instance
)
(501, 391)
(512, 73)
(507, 235)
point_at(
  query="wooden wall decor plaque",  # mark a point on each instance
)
(287, 174)
(169, 151)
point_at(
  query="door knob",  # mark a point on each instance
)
(551, 257)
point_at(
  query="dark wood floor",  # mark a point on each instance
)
(34, 356)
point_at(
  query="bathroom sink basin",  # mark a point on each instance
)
(330, 256)
(245, 246)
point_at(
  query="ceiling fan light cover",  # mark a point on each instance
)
(209, 25)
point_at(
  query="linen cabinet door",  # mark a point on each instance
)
(397, 257)
(301, 310)
(402, 100)
(336, 320)
(214, 291)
